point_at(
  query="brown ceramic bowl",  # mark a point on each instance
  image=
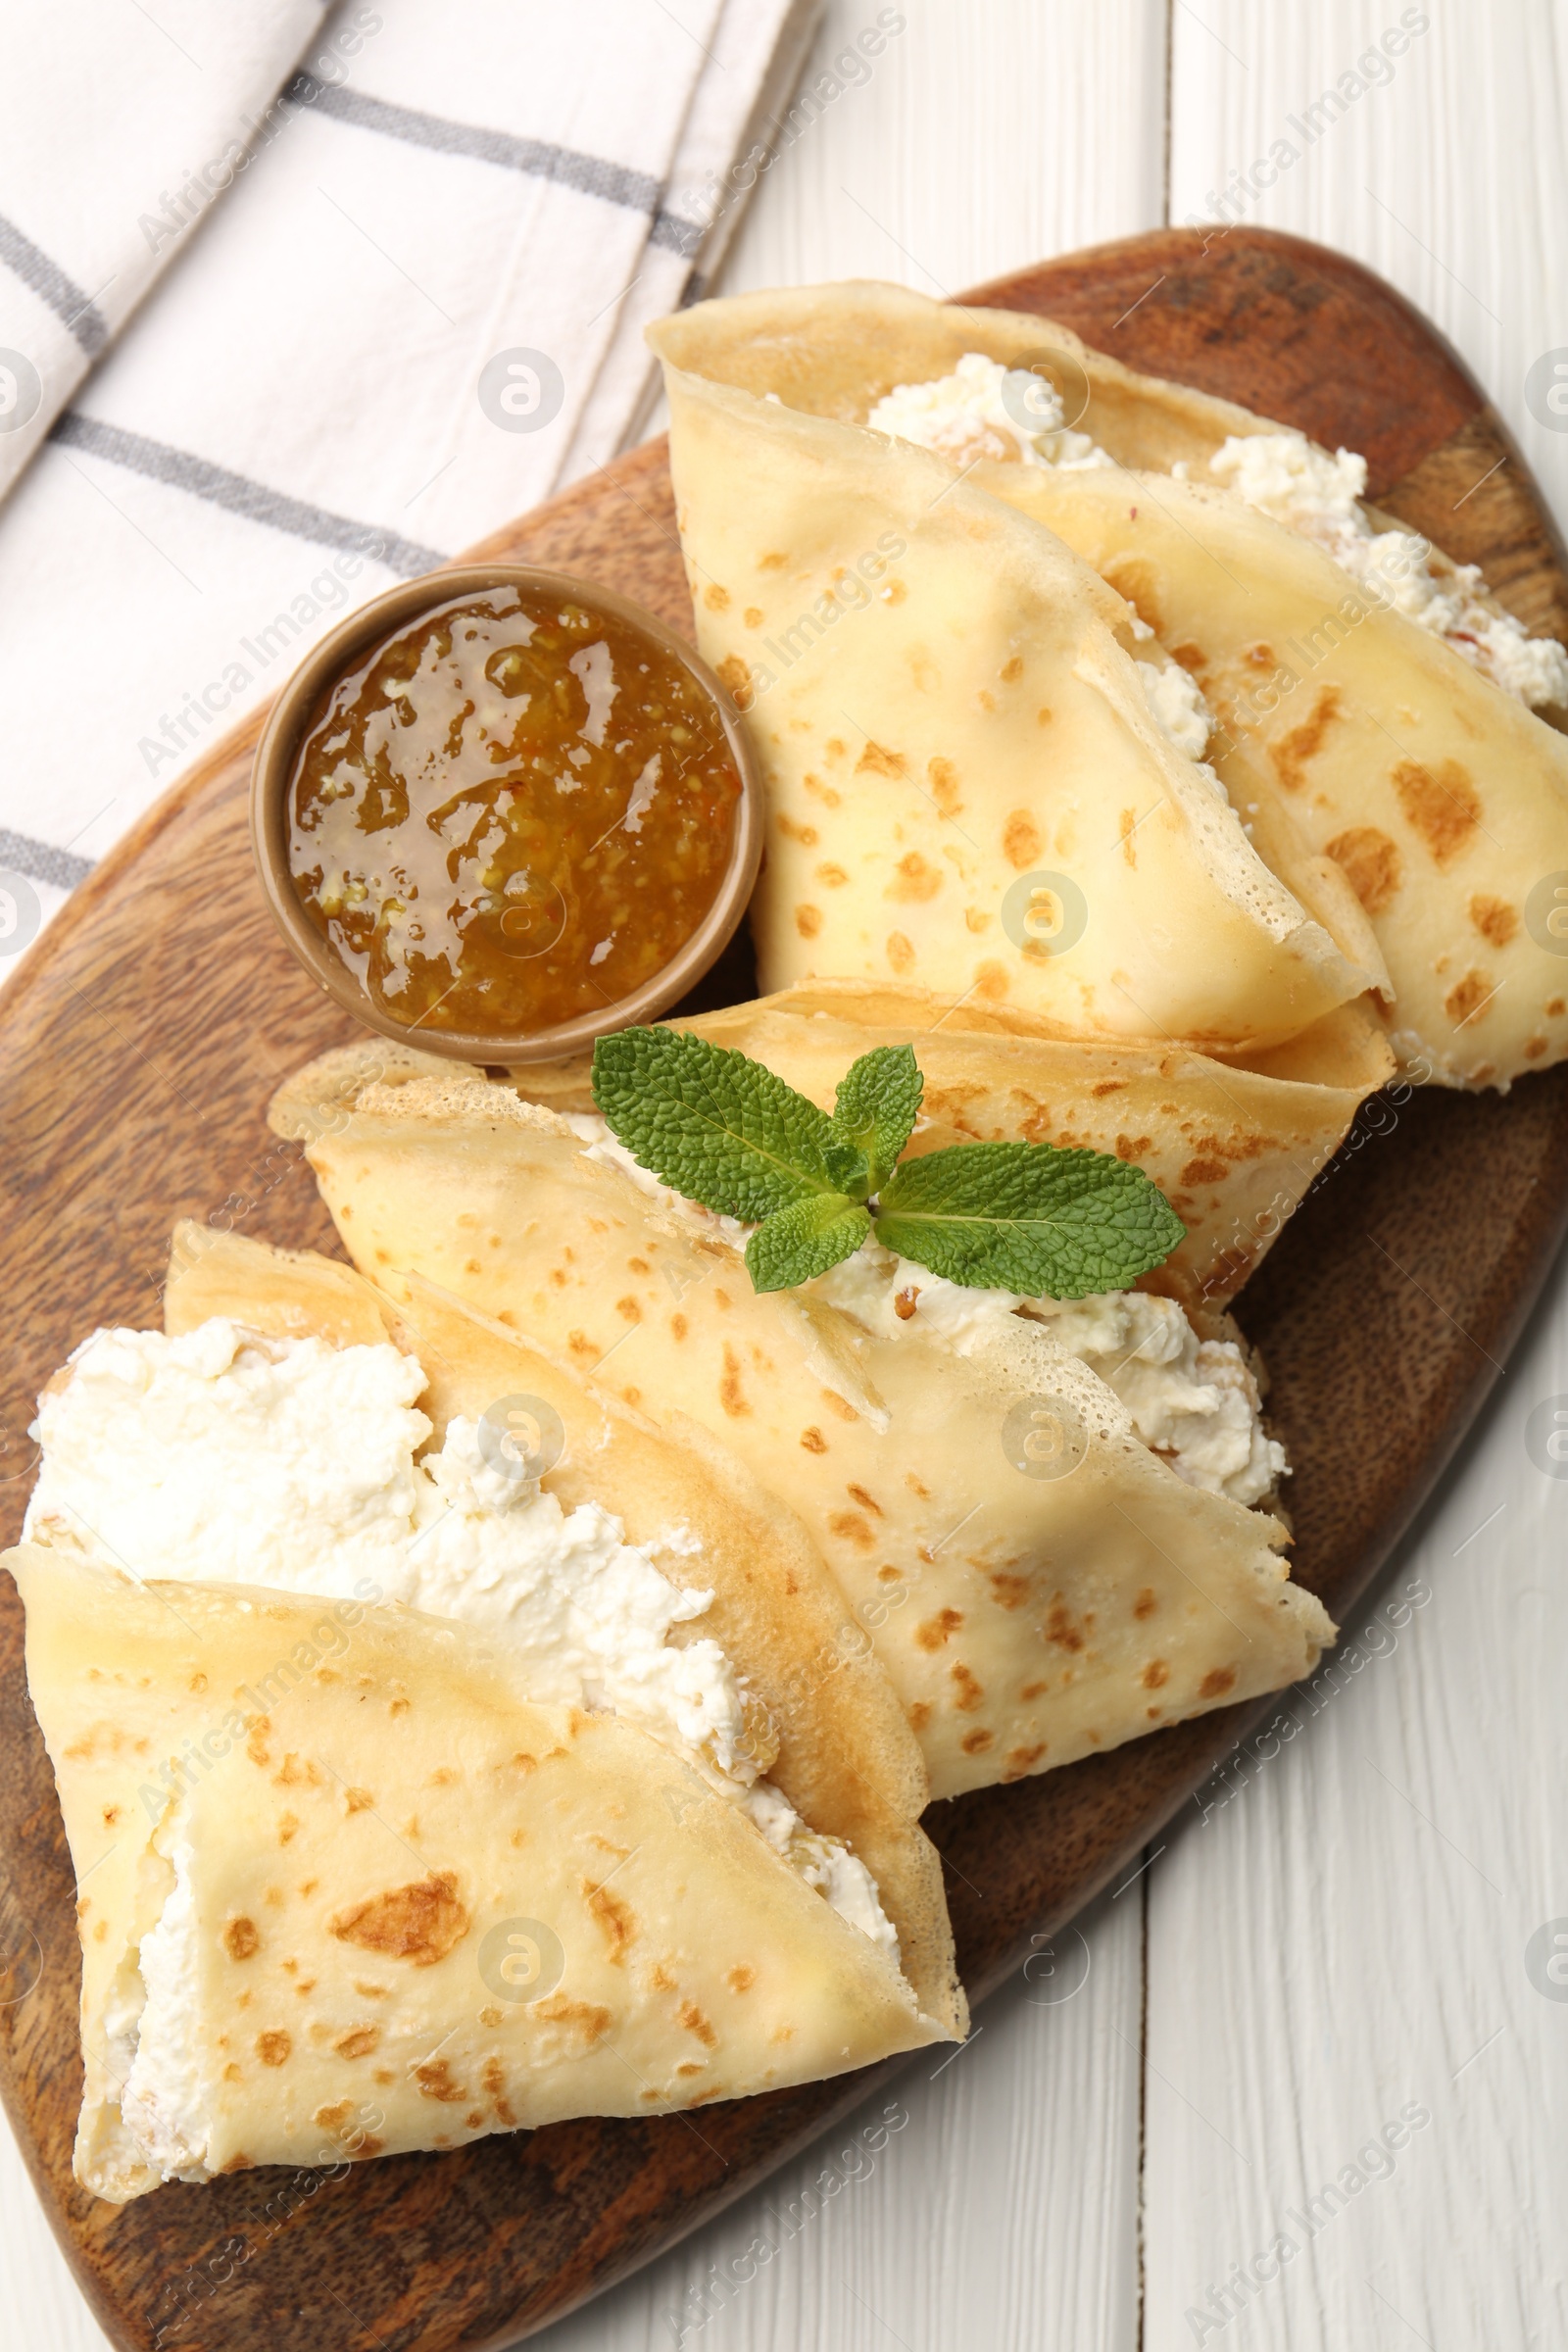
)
(299, 705)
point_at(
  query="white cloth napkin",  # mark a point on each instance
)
(415, 311)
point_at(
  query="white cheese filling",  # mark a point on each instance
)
(984, 409)
(224, 1456)
(1319, 496)
(1192, 1401)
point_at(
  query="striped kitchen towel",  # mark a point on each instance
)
(404, 256)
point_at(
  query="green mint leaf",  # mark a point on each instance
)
(849, 1168)
(878, 1103)
(716, 1125)
(1028, 1217)
(794, 1244)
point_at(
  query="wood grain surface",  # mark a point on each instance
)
(142, 1044)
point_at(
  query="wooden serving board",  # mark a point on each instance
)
(138, 1046)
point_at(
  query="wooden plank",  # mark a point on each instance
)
(1294, 2011)
(972, 148)
(36, 2287)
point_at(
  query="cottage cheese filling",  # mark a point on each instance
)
(224, 1456)
(1309, 491)
(983, 409)
(1192, 1401)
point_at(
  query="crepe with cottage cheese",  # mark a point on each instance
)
(821, 1722)
(970, 787)
(348, 1889)
(1037, 1581)
(1232, 1149)
(1375, 699)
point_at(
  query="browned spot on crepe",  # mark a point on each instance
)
(1371, 864)
(435, 2082)
(613, 1916)
(875, 761)
(1464, 1000)
(420, 1923)
(1156, 1674)
(851, 1528)
(1134, 580)
(900, 955)
(1019, 1760)
(933, 1633)
(1494, 918)
(358, 2042)
(1204, 1171)
(808, 920)
(1291, 752)
(813, 1441)
(731, 1394)
(692, 2018)
(716, 598)
(915, 881)
(1060, 1627)
(970, 1692)
(943, 778)
(1217, 1681)
(1441, 805)
(241, 1938)
(1020, 840)
(273, 2049)
(1127, 826)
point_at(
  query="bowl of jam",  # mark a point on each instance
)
(498, 811)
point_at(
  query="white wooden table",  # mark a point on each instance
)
(1341, 1938)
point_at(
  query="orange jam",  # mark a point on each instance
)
(513, 811)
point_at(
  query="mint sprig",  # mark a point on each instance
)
(727, 1130)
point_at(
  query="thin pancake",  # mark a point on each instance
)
(347, 1892)
(1029, 1604)
(846, 1758)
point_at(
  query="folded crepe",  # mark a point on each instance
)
(348, 1889)
(1232, 1149)
(829, 1730)
(972, 786)
(262, 1464)
(1037, 1581)
(1378, 701)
